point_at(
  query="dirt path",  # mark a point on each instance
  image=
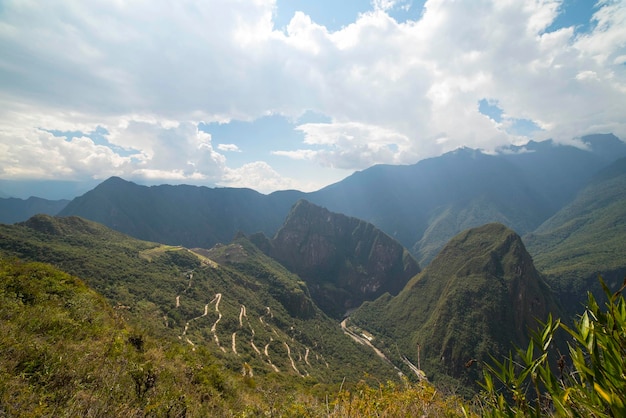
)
(242, 314)
(189, 275)
(217, 299)
(267, 354)
(267, 313)
(293, 363)
(419, 373)
(205, 313)
(234, 342)
(184, 334)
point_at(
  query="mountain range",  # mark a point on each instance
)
(421, 205)
(432, 269)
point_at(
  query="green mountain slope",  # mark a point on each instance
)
(66, 352)
(478, 296)
(343, 260)
(586, 238)
(246, 309)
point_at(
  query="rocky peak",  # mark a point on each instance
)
(481, 294)
(344, 260)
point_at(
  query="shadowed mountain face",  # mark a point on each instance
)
(17, 210)
(181, 215)
(479, 295)
(585, 238)
(343, 260)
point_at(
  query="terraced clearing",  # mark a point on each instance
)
(151, 253)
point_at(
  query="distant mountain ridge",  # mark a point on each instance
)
(17, 210)
(421, 205)
(585, 238)
(426, 204)
(181, 215)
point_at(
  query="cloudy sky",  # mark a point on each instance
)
(279, 94)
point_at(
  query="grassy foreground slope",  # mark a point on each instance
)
(66, 352)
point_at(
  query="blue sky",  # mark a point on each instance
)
(293, 94)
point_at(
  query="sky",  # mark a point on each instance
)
(294, 94)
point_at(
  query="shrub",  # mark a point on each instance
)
(592, 383)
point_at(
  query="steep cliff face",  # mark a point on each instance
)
(343, 260)
(479, 295)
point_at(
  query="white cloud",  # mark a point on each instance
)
(350, 145)
(180, 148)
(172, 151)
(228, 147)
(150, 72)
(37, 154)
(300, 154)
(257, 175)
(383, 4)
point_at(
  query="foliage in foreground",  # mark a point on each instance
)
(392, 400)
(594, 384)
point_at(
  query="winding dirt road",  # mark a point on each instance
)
(242, 314)
(217, 299)
(364, 341)
(293, 363)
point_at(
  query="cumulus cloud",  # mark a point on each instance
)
(32, 153)
(228, 147)
(351, 145)
(167, 151)
(150, 72)
(178, 147)
(257, 175)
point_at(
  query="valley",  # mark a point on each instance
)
(419, 281)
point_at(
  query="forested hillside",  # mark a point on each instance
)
(247, 308)
(479, 297)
